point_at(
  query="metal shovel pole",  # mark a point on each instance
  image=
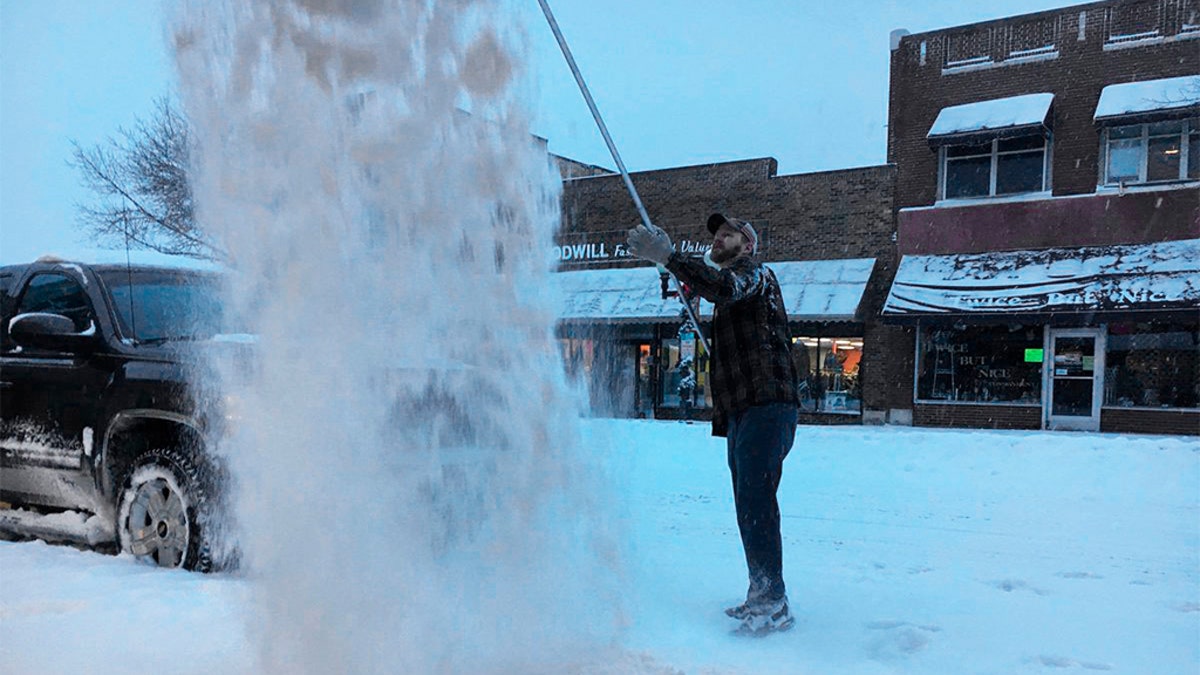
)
(612, 148)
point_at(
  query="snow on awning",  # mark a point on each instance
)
(823, 290)
(1010, 116)
(1173, 94)
(1163, 276)
(631, 294)
(819, 290)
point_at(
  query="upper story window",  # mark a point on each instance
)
(1152, 152)
(993, 148)
(1149, 131)
(999, 167)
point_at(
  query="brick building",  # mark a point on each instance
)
(828, 236)
(1048, 218)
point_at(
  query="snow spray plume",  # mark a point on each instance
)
(609, 374)
(411, 492)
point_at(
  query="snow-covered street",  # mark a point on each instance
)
(906, 551)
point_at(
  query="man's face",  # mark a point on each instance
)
(728, 243)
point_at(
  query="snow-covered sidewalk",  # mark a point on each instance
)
(906, 551)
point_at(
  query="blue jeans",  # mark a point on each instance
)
(759, 438)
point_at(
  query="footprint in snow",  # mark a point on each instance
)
(898, 639)
(1079, 575)
(1063, 662)
(1010, 585)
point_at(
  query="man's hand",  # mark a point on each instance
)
(653, 245)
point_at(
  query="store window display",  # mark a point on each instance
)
(828, 368)
(1153, 365)
(980, 364)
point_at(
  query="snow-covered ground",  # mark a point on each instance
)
(906, 551)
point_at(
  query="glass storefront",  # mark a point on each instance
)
(645, 382)
(607, 371)
(684, 374)
(1153, 365)
(980, 364)
(828, 368)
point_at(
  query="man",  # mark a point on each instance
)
(754, 395)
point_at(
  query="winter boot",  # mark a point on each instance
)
(766, 617)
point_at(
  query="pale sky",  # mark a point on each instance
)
(679, 82)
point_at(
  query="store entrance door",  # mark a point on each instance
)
(644, 399)
(1075, 378)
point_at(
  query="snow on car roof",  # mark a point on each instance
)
(135, 257)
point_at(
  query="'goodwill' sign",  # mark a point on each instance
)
(593, 251)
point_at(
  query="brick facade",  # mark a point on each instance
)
(816, 216)
(978, 416)
(1072, 53)
(1118, 420)
(1075, 72)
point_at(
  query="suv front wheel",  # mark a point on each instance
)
(158, 513)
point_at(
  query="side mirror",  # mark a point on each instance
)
(54, 332)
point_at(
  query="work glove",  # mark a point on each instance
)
(653, 245)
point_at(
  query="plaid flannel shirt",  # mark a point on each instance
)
(751, 343)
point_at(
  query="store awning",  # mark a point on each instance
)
(813, 290)
(617, 295)
(1012, 116)
(1155, 277)
(1167, 96)
(823, 290)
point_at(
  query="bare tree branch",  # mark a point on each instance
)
(140, 181)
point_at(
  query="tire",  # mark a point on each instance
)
(160, 511)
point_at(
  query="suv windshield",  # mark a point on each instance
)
(165, 305)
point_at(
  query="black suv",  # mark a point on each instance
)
(98, 412)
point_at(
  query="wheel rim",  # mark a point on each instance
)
(158, 523)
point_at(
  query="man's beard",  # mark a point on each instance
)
(724, 255)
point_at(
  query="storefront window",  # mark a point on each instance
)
(828, 369)
(578, 357)
(1152, 365)
(684, 374)
(645, 382)
(981, 364)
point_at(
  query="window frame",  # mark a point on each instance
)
(88, 308)
(1188, 127)
(995, 153)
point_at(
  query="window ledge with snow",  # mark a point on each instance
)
(1147, 187)
(1144, 408)
(979, 201)
(1149, 41)
(1008, 404)
(1012, 60)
